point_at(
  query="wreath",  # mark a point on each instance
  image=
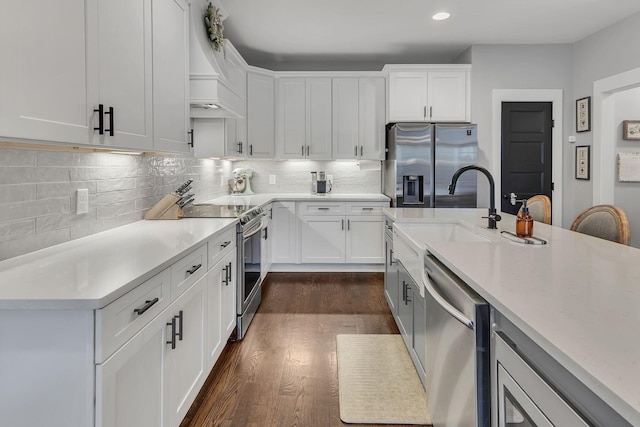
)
(213, 21)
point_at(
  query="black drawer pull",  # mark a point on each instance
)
(173, 332)
(225, 244)
(181, 319)
(147, 305)
(225, 280)
(194, 269)
(100, 111)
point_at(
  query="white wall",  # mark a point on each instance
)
(627, 194)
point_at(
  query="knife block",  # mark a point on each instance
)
(165, 209)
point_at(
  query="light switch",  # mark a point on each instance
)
(82, 201)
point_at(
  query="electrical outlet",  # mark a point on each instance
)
(272, 179)
(82, 201)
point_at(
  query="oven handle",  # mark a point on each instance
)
(256, 231)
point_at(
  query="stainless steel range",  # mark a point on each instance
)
(248, 234)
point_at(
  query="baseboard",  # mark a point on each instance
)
(320, 268)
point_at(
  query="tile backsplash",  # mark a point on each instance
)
(38, 189)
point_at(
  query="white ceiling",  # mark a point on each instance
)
(366, 34)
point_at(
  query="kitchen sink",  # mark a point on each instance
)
(439, 232)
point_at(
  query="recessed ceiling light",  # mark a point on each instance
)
(441, 16)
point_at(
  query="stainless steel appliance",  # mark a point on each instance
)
(457, 349)
(422, 158)
(248, 235)
(320, 184)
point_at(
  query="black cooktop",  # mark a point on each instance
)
(207, 210)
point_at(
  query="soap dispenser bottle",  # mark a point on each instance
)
(524, 222)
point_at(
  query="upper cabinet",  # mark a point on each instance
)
(260, 115)
(109, 72)
(358, 118)
(47, 80)
(429, 93)
(303, 129)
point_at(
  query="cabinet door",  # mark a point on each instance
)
(234, 147)
(371, 109)
(209, 137)
(260, 116)
(129, 384)
(407, 96)
(365, 240)
(46, 75)
(291, 139)
(216, 278)
(170, 75)
(185, 364)
(391, 284)
(318, 118)
(346, 122)
(322, 239)
(125, 67)
(447, 96)
(405, 307)
(284, 246)
(229, 294)
(241, 122)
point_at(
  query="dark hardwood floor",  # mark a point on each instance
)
(283, 373)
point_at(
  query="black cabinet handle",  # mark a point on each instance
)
(266, 233)
(356, 153)
(110, 113)
(181, 319)
(173, 332)
(190, 133)
(302, 150)
(307, 151)
(225, 280)
(409, 288)
(100, 111)
(404, 292)
(251, 149)
(229, 273)
(361, 151)
(147, 305)
(225, 244)
(390, 256)
(239, 147)
(194, 269)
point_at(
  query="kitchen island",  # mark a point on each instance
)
(577, 297)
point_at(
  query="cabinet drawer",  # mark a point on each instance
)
(123, 318)
(365, 208)
(187, 271)
(321, 208)
(219, 244)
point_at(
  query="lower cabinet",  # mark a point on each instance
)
(391, 284)
(411, 319)
(284, 244)
(341, 232)
(158, 373)
(221, 306)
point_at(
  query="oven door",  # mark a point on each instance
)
(250, 262)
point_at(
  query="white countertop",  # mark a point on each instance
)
(577, 297)
(91, 272)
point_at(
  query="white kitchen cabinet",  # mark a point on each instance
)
(265, 247)
(358, 118)
(108, 73)
(340, 232)
(429, 94)
(171, 75)
(236, 129)
(129, 383)
(47, 73)
(303, 128)
(260, 116)
(185, 364)
(284, 225)
(228, 296)
(216, 137)
(322, 239)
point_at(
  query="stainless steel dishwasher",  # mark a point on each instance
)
(457, 349)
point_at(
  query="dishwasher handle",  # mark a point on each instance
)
(444, 303)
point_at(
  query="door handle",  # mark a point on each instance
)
(110, 113)
(225, 280)
(181, 320)
(173, 333)
(229, 273)
(100, 111)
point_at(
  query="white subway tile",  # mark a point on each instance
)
(32, 209)
(47, 190)
(66, 158)
(17, 229)
(14, 157)
(64, 220)
(17, 193)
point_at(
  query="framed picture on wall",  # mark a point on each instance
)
(582, 162)
(631, 129)
(583, 114)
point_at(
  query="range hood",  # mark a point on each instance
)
(216, 79)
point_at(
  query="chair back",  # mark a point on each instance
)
(604, 221)
(539, 208)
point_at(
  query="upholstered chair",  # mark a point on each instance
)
(605, 221)
(539, 208)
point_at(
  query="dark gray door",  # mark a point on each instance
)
(526, 151)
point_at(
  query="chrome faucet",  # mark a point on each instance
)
(493, 216)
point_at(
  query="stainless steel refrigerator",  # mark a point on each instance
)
(422, 158)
